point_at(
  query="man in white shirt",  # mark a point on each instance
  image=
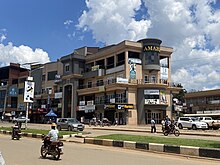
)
(53, 133)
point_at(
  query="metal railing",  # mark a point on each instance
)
(130, 81)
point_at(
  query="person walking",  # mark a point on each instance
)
(153, 126)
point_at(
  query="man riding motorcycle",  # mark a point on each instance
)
(53, 133)
(51, 145)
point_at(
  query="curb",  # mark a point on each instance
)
(174, 149)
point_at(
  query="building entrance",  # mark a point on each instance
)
(156, 115)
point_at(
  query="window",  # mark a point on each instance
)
(99, 83)
(89, 84)
(51, 75)
(153, 79)
(43, 77)
(109, 96)
(67, 67)
(120, 59)
(110, 80)
(121, 97)
(110, 62)
(146, 79)
(21, 91)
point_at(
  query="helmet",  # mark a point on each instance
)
(53, 125)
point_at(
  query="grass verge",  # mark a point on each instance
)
(164, 140)
(39, 131)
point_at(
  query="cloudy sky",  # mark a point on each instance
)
(42, 31)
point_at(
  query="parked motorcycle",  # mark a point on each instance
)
(16, 133)
(171, 130)
(51, 148)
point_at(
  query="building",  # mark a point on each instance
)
(12, 80)
(48, 90)
(129, 82)
(203, 103)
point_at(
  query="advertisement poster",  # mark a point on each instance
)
(132, 71)
(163, 99)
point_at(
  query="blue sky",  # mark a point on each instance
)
(40, 24)
(45, 30)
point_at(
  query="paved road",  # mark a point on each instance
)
(134, 130)
(26, 152)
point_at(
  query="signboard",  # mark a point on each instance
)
(13, 91)
(96, 67)
(118, 106)
(122, 80)
(81, 108)
(29, 92)
(82, 103)
(164, 73)
(151, 48)
(58, 95)
(151, 96)
(151, 92)
(134, 61)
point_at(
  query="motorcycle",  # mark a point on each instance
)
(16, 133)
(171, 130)
(51, 148)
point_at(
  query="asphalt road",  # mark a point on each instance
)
(27, 151)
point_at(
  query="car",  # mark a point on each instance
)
(190, 123)
(214, 124)
(21, 119)
(69, 124)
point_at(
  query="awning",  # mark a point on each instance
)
(51, 114)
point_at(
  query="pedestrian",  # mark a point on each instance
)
(153, 126)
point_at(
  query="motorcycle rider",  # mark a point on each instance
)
(53, 133)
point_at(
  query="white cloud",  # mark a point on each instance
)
(190, 27)
(112, 21)
(21, 54)
(2, 35)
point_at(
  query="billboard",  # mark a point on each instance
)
(29, 92)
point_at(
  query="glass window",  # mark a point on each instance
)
(67, 67)
(89, 84)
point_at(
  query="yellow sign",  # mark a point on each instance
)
(151, 48)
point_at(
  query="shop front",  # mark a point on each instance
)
(117, 113)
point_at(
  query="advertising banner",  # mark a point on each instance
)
(132, 71)
(29, 92)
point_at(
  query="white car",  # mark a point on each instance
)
(21, 119)
(191, 123)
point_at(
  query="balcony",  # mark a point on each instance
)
(94, 73)
(120, 84)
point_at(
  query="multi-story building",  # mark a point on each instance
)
(48, 90)
(12, 79)
(203, 103)
(129, 81)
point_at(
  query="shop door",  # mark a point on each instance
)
(156, 117)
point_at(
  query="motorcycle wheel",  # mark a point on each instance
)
(43, 152)
(56, 154)
(165, 133)
(176, 132)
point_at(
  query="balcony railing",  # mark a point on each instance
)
(130, 81)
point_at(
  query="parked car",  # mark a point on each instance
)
(20, 119)
(215, 124)
(69, 124)
(191, 123)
